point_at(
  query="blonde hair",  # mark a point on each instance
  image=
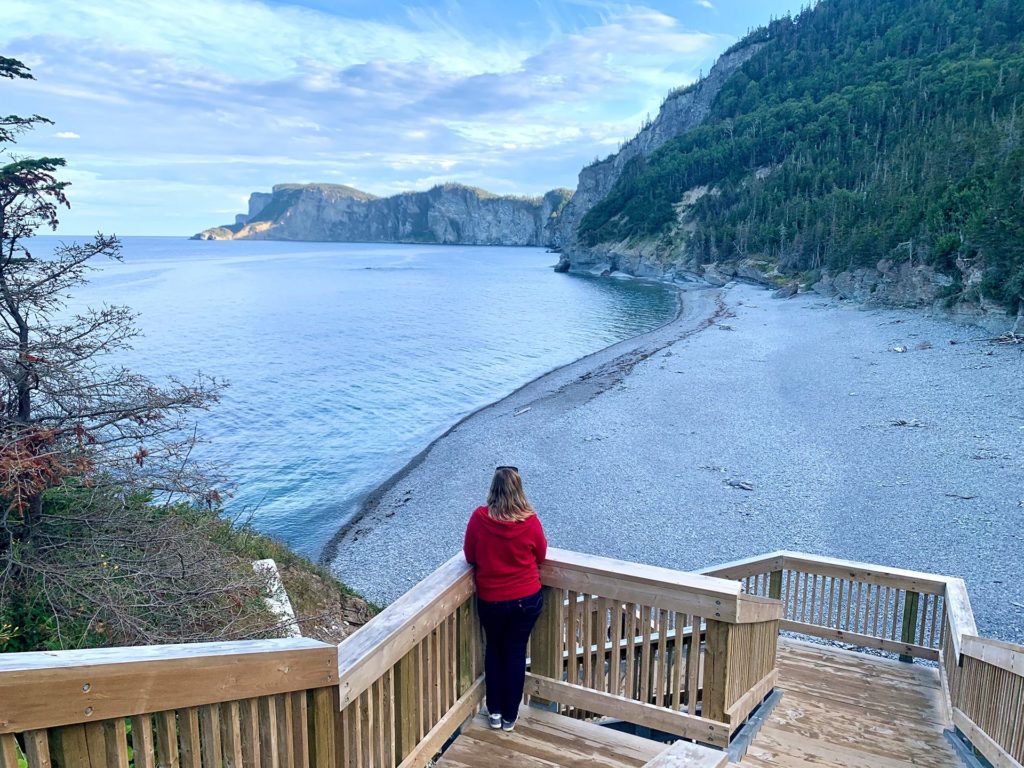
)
(506, 500)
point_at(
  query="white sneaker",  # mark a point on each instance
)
(507, 725)
(494, 721)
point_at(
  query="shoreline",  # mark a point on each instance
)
(368, 503)
(749, 424)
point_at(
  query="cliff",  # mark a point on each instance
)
(683, 110)
(820, 154)
(450, 214)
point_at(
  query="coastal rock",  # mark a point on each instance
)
(683, 110)
(449, 214)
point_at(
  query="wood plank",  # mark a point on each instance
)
(8, 751)
(738, 712)
(645, 584)
(189, 743)
(324, 751)
(249, 716)
(379, 645)
(67, 687)
(678, 724)
(849, 709)
(143, 752)
(270, 753)
(231, 734)
(465, 707)
(865, 641)
(869, 573)
(210, 751)
(1006, 656)
(37, 750)
(167, 754)
(548, 740)
(985, 744)
(684, 754)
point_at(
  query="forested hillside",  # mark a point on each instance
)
(861, 131)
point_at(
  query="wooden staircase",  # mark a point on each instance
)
(546, 740)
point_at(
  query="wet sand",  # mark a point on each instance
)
(645, 450)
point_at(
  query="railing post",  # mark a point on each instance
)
(546, 642)
(716, 670)
(407, 705)
(775, 585)
(910, 604)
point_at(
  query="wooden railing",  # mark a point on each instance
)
(870, 606)
(269, 703)
(413, 675)
(685, 654)
(913, 614)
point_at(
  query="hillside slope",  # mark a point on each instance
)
(873, 149)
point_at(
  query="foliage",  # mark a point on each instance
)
(889, 129)
(109, 532)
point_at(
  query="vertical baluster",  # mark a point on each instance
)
(588, 641)
(677, 661)
(661, 697)
(629, 689)
(270, 752)
(249, 715)
(323, 749)
(615, 658)
(37, 750)
(573, 637)
(694, 665)
(646, 615)
(167, 740)
(789, 612)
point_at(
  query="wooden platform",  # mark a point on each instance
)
(851, 710)
(839, 709)
(546, 740)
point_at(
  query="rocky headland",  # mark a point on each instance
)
(449, 214)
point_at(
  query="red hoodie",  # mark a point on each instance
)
(506, 555)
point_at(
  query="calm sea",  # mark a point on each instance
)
(345, 360)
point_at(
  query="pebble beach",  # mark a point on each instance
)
(746, 425)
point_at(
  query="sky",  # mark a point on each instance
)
(170, 113)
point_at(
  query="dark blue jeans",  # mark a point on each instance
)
(507, 625)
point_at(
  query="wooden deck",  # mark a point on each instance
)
(842, 708)
(838, 708)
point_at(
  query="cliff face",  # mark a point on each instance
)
(682, 111)
(450, 214)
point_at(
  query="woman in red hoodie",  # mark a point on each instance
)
(505, 543)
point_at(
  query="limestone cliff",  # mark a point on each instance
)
(449, 214)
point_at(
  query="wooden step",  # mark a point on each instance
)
(684, 754)
(548, 740)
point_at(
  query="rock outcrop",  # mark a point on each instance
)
(450, 214)
(683, 110)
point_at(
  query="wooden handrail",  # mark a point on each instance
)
(717, 598)
(380, 644)
(871, 573)
(55, 688)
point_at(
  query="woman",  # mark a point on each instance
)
(505, 543)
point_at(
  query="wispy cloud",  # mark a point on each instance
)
(222, 97)
(705, 4)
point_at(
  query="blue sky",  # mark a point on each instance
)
(171, 113)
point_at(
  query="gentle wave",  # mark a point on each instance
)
(345, 360)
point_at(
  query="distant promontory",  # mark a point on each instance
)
(449, 214)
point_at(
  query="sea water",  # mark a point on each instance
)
(345, 360)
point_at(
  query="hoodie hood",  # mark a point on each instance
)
(510, 529)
